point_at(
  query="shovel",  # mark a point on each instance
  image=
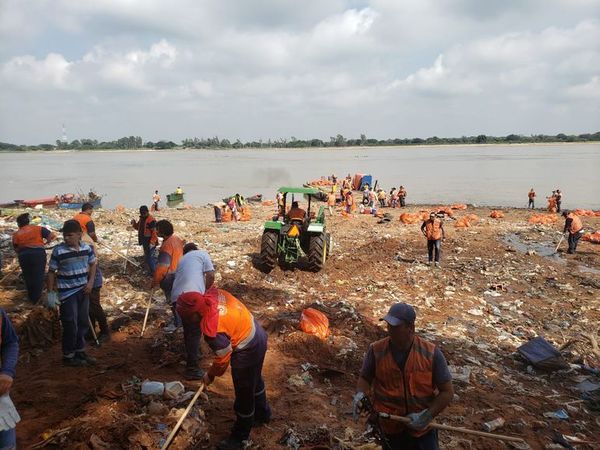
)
(127, 251)
(559, 242)
(147, 311)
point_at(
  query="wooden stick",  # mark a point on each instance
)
(127, 251)
(120, 254)
(93, 331)
(182, 418)
(500, 437)
(559, 242)
(147, 311)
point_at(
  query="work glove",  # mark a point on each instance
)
(359, 404)
(420, 420)
(52, 300)
(8, 413)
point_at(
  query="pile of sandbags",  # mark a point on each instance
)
(543, 219)
(587, 212)
(495, 214)
(594, 238)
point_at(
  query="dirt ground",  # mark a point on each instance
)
(494, 292)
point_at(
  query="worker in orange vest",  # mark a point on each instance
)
(296, 213)
(531, 196)
(574, 227)
(404, 375)
(28, 242)
(433, 230)
(147, 236)
(87, 224)
(235, 337)
(169, 254)
(331, 201)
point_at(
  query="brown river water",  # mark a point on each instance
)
(494, 175)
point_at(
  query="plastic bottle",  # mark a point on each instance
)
(492, 425)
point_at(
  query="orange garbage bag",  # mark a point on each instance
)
(543, 219)
(226, 217)
(314, 322)
(472, 217)
(445, 209)
(594, 238)
(246, 215)
(268, 203)
(408, 218)
(494, 214)
(463, 222)
(458, 206)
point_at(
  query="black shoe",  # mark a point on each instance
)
(104, 337)
(193, 373)
(260, 421)
(231, 443)
(82, 356)
(73, 362)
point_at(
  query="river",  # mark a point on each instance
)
(494, 175)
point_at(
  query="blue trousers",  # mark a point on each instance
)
(404, 441)
(8, 439)
(74, 316)
(434, 245)
(250, 398)
(149, 257)
(33, 266)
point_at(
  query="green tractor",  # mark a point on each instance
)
(287, 239)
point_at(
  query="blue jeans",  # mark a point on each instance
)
(8, 439)
(33, 266)
(434, 245)
(149, 256)
(74, 316)
(404, 441)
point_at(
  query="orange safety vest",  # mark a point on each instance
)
(83, 220)
(238, 324)
(349, 200)
(433, 229)
(401, 392)
(331, 199)
(531, 194)
(173, 246)
(576, 224)
(149, 232)
(28, 236)
(296, 214)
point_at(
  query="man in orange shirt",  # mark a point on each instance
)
(237, 339)
(28, 242)
(433, 230)
(169, 254)
(87, 224)
(531, 197)
(296, 213)
(574, 227)
(331, 201)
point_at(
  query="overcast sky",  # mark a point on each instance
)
(311, 68)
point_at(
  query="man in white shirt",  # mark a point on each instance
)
(195, 273)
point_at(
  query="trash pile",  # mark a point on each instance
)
(518, 326)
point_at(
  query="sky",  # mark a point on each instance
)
(275, 69)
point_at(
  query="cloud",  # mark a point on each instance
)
(275, 68)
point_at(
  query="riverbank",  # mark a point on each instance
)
(275, 148)
(494, 292)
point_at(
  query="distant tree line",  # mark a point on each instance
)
(136, 142)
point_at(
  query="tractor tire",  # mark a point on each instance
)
(317, 252)
(268, 250)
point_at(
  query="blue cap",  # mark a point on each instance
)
(400, 313)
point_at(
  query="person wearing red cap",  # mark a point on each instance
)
(405, 375)
(236, 338)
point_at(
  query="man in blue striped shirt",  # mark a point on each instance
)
(72, 270)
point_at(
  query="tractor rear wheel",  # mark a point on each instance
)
(317, 252)
(268, 250)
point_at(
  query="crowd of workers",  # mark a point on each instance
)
(402, 374)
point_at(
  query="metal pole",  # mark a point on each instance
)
(147, 311)
(127, 251)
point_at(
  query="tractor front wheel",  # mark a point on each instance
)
(317, 252)
(268, 250)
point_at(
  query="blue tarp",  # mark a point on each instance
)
(366, 179)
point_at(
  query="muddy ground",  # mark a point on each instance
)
(494, 292)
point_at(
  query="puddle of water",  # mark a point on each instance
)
(542, 249)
